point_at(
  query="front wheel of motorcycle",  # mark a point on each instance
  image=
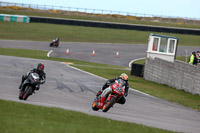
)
(94, 107)
(27, 92)
(109, 104)
(20, 95)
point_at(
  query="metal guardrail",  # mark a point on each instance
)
(144, 17)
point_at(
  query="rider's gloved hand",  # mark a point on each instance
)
(99, 93)
(42, 82)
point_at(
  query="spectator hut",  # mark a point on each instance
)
(163, 47)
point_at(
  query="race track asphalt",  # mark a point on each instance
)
(104, 53)
(69, 88)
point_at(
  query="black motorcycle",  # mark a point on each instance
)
(54, 43)
(29, 86)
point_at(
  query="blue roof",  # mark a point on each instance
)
(163, 36)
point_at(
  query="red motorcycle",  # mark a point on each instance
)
(117, 91)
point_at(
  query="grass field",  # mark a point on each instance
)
(107, 71)
(26, 118)
(46, 32)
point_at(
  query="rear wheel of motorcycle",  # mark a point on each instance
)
(94, 107)
(109, 104)
(27, 92)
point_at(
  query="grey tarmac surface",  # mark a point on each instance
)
(72, 89)
(104, 53)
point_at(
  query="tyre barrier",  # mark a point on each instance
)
(114, 25)
(137, 70)
(14, 18)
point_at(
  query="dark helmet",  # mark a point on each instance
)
(194, 53)
(40, 67)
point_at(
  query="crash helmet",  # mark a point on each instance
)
(194, 53)
(40, 67)
(124, 76)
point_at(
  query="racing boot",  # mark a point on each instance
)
(99, 93)
(20, 86)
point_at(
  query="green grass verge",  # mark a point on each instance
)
(25, 118)
(142, 61)
(154, 89)
(66, 33)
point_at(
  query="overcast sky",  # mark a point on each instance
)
(174, 8)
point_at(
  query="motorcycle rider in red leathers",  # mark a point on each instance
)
(105, 90)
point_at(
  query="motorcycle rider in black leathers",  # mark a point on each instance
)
(40, 71)
(111, 81)
(56, 40)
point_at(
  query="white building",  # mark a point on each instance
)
(163, 47)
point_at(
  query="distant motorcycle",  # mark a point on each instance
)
(54, 43)
(118, 90)
(29, 86)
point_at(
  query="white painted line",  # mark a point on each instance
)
(48, 54)
(135, 60)
(107, 79)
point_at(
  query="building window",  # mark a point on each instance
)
(171, 46)
(155, 44)
(163, 45)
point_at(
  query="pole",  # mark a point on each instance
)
(186, 56)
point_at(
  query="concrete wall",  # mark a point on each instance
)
(179, 75)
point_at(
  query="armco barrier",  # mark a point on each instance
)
(14, 18)
(114, 25)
